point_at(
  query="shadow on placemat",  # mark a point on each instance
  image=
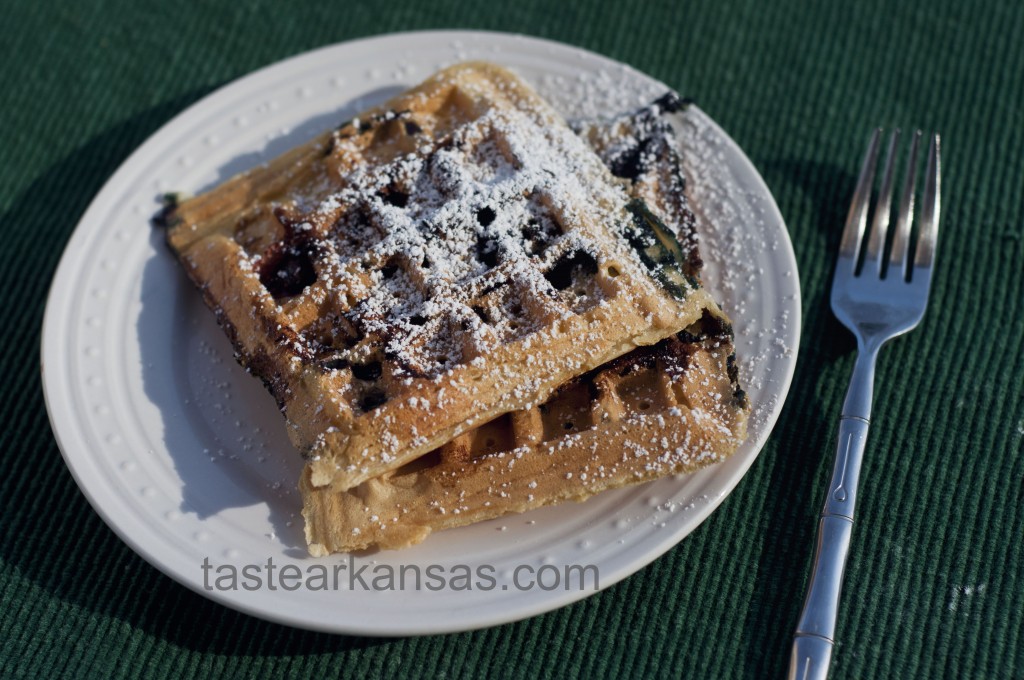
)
(51, 540)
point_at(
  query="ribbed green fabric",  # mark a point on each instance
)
(934, 586)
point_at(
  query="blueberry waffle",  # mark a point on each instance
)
(452, 256)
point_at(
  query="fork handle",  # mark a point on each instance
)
(815, 632)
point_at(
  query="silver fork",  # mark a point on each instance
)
(876, 303)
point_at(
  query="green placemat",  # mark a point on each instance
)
(934, 586)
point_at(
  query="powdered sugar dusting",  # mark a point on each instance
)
(735, 229)
(489, 206)
(736, 225)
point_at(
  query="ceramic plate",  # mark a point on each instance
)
(185, 456)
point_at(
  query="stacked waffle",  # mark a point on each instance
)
(465, 309)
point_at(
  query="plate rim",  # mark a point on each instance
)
(76, 465)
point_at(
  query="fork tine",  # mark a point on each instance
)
(883, 208)
(849, 246)
(930, 209)
(905, 217)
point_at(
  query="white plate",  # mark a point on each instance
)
(185, 456)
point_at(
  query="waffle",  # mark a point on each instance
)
(666, 409)
(641, 149)
(451, 256)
